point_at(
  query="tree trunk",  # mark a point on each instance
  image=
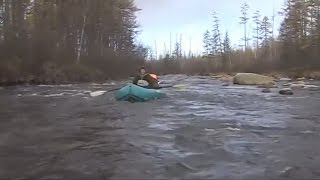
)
(81, 38)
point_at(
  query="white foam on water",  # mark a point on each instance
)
(302, 97)
(310, 86)
(209, 130)
(109, 84)
(164, 127)
(232, 129)
(97, 93)
(59, 85)
(78, 94)
(56, 95)
(71, 90)
(65, 85)
(42, 85)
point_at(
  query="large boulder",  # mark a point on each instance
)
(252, 79)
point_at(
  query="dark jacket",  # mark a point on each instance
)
(153, 83)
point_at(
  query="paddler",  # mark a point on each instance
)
(145, 79)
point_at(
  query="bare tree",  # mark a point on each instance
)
(256, 29)
(244, 20)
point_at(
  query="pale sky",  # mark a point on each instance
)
(191, 18)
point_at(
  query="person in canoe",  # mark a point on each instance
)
(145, 79)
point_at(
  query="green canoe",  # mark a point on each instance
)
(134, 93)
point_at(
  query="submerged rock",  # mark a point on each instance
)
(286, 91)
(252, 79)
(265, 86)
(297, 85)
(266, 90)
(226, 78)
(216, 76)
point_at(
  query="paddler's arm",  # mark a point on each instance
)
(135, 80)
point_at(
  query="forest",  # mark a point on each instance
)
(57, 41)
(50, 41)
(295, 49)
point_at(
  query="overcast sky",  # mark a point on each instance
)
(192, 18)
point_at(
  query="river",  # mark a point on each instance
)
(201, 130)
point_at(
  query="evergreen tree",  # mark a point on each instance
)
(227, 51)
(206, 43)
(265, 31)
(216, 44)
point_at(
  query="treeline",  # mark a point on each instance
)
(48, 41)
(296, 47)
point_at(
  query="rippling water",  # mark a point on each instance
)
(200, 130)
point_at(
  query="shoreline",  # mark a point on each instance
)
(294, 75)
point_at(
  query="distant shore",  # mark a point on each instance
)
(292, 74)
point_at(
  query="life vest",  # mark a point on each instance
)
(154, 76)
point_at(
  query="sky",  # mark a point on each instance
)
(191, 18)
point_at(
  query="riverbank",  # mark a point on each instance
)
(295, 74)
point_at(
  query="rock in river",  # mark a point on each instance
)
(286, 91)
(252, 79)
(266, 90)
(285, 79)
(264, 86)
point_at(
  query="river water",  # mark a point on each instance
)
(200, 130)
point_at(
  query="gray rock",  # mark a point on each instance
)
(286, 91)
